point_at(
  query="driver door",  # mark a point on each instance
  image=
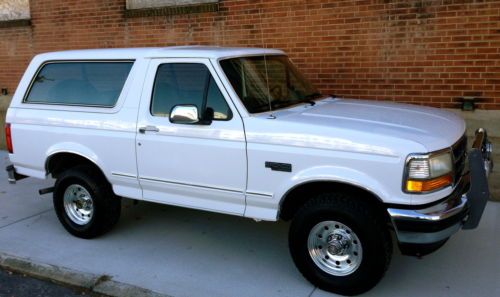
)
(199, 166)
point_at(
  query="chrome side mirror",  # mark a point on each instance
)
(184, 114)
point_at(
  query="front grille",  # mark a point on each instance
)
(459, 151)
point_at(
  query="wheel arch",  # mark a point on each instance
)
(300, 193)
(59, 160)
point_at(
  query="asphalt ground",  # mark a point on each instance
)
(18, 285)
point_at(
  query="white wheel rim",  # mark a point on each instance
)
(335, 248)
(78, 204)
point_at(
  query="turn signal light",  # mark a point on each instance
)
(417, 186)
(8, 138)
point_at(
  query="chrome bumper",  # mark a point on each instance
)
(463, 209)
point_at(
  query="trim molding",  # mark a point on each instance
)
(189, 185)
(151, 179)
(119, 174)
(259, 194)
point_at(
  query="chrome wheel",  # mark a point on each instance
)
(335, 248)
(78, 204)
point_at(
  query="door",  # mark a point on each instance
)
(200, 166)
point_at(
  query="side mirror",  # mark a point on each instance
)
(184, 114)
(188, 114)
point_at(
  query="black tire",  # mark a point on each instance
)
(106, 205)
(365, 220)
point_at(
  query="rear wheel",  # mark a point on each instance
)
(340, 244)
(85, 203)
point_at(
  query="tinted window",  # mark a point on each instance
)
(266, 83)
(184, 83)
(216, 101)
(80, 83)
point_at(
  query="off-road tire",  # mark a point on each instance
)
(107, 206)
(365, 220)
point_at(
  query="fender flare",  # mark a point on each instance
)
(76, 149)
(336, 174)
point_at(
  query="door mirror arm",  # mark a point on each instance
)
(208, 117)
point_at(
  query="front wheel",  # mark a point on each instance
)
(85, 203)
(340, 243)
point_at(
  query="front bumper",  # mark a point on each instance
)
(460, 210)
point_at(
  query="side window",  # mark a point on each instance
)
(216, 101)
(79, 83)
(187, 83)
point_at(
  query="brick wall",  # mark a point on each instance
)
(424, 52)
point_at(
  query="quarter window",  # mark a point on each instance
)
(79, 83)
(187, 83)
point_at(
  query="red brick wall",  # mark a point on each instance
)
(427, 52)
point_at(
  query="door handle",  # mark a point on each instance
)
(148, 129)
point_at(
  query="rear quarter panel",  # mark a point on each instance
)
(106, 136)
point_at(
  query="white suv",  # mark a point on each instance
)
(240, 131)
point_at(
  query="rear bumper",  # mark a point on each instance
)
(12, 175)
(460, 210)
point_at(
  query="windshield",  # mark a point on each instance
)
(267, 83)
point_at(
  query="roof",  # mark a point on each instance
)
(211, 52)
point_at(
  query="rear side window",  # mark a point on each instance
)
(79, 83)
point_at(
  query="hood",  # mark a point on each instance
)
(375, 123)
(431, 127)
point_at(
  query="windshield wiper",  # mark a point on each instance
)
(310, 98)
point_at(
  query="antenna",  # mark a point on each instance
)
(267, 84)
(265, 59)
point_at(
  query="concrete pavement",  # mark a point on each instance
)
(181, 252)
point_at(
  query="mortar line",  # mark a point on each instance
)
(24, 219)
(312, 292)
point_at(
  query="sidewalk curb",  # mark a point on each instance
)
(101, 284)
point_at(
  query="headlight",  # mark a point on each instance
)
(427, 173)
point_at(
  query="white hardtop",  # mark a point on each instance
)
(210, 52)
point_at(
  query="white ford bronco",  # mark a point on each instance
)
(240, 131)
